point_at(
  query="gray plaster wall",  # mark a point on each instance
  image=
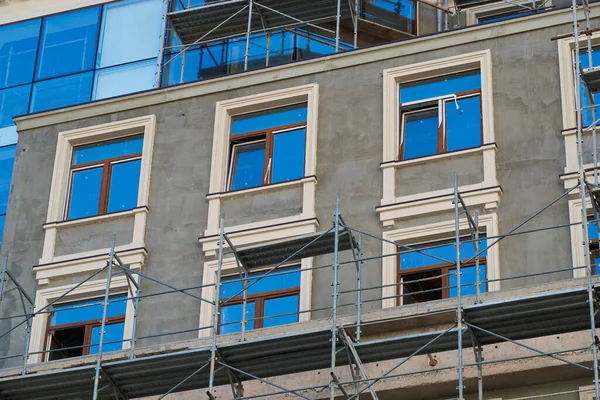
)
(530, 159)
(79, 239)
(258, 207)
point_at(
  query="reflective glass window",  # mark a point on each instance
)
(61, 92)
(18, 47)
(248, 165)
(463, 123)
(420, 135)
(588, 98)
(437, 87)
(68, 43)
(123, 195)
(268, 119)
(13, 102)
(398, 14)
(130, 32)
(124, 79)
(7, 160)
(288, 155)
(271, 301)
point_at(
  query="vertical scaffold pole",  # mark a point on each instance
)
(213, 350)
(248, 31)
(244, 303)
(359, 288)
(356, 10)
(477, 266)
(136, 305)
(582, 186)
(104, 313)
(335, 283)
(338, 17)
(29, 328)
(459, 316)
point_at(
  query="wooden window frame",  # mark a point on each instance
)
(444, 268)
(259, 302)
(266, 135)
(88, 325)
(438, 103)
(106, 165)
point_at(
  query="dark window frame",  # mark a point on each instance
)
(261, 135)
(88, 325)
(435, 103)
(106, 165)
(444, 268)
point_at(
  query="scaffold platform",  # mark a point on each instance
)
(533, 316)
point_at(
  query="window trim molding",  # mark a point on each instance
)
(229, 266)
(577, 250)
(55, 218)
(423, 232)
(88, 290)
(567, 95)
(586, 392)
(221, 145)
(474, 13)
(390, 208)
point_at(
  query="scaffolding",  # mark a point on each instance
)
(474, 320)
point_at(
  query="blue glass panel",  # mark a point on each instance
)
(130, 32)
(124, 184)
(13, 102)
(592, 230)
(7, 160)
(124, 79)
(110, 149)
(233, 313)
(18, 47)
(585, 96)
(268, 119)
(399, 14)
(420, 134)
(504, 16)
(113, 336)
(68, 43)
(288, 155)
(437, 87)
(277, 281)
(278, 306)
(70, 313)
(446, 251)
(61, 92)
(468, 280)
(85, 193)
(463, 127)
(248, 165)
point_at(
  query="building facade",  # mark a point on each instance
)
(138, 131)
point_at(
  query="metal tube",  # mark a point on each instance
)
(183, 381)
(476, 244)
(29, 330)
(356, 11)
(459, 316)
(359, 289)
(244, 303)
(248, 31)
(104, 312)
(338, 17)
(213, 349)
(335, 283)
(136, 305)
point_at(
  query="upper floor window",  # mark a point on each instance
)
(273, 300)
(267, 147)
(588, 98)
(104, 177)
(425, 278)
(74, 328)
(440, 115)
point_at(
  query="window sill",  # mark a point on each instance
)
(262, 189)
(438, 157)
(95, 218)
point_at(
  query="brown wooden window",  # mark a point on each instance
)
(274, 300)
(267, 147)
(104, 177)
(423, 276)
(440, 115)
(74, 328)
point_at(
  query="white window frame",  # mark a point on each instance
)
(485, 193)
(500, 7)
(426, 233)
(577, 249)
(87, 291)
(55, 266)
(229, 267)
